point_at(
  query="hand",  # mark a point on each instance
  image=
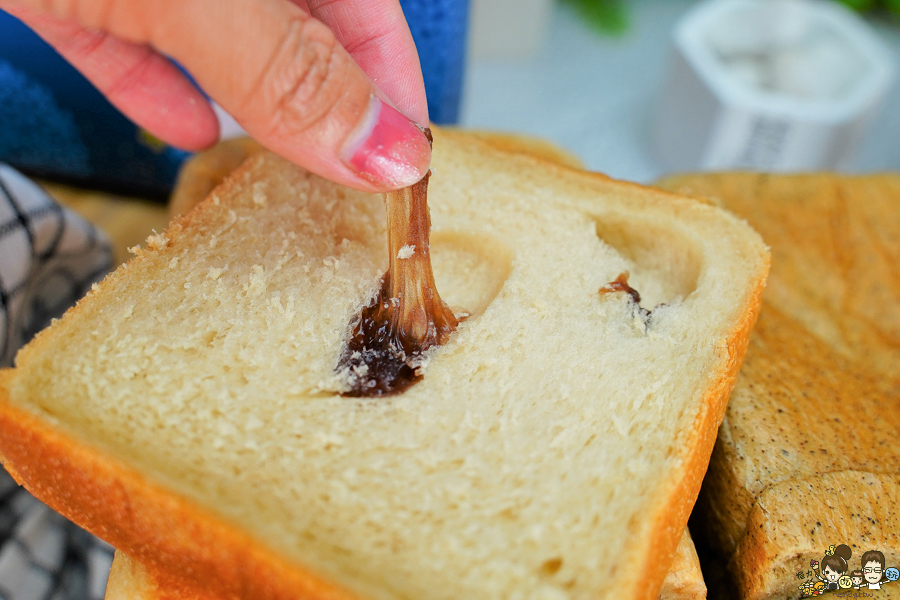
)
(296, 74)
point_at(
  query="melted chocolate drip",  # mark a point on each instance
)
(621, 285)
(391, 335)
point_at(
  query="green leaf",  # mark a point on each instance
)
(606, 16)
(859, 4)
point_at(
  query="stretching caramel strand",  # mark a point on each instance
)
(407, 316)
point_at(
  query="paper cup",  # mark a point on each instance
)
(775, 85)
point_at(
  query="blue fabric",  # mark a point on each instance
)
(439, 28)
(54, 123)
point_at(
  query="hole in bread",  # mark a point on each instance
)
(469, 269)
(666, 263)
(551, 566)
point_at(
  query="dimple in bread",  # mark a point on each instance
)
(187, 410)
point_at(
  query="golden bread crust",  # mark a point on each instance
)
(847, 506)
(528, 145)
(697, 454)
(129, 579)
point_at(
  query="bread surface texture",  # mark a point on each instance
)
(187, 409)
(808, 454)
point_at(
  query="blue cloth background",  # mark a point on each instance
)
(439, 28)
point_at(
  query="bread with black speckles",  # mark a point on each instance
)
(808, 455)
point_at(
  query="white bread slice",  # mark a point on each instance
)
(684, 581)
(130, 580)
(808, 454)
(185, 410)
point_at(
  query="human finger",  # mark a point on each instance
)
(135, 78)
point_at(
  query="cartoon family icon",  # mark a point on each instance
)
(832, 574)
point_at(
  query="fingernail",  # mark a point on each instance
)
(389, 150)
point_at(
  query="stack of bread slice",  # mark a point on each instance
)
(188, 410)
(808, 455)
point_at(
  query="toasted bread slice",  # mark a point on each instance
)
(188, 412)
(808, 454)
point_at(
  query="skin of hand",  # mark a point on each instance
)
(332, 85)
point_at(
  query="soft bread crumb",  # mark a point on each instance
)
(157, 241)
(259, 194)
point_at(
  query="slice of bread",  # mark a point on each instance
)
(130, 580)
(808, 454)
(684, 581)
(187, 412)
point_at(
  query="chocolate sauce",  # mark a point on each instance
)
(621, 285)
(392, 334)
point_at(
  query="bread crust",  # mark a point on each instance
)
(850, 506)
(203, 172)
(171, 535)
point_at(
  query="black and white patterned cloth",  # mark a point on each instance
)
(49, 257)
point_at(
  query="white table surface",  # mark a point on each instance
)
(593, 94)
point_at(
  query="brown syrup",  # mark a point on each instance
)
(621, 285)
(391, 335)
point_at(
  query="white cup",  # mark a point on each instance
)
(775, 85)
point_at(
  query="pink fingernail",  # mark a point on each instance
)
(389, 150)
